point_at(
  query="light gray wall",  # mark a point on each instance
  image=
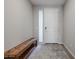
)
(18, 22)
(69, 26)
(36, 22)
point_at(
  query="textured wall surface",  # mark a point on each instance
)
(69, 26)
(18, 22)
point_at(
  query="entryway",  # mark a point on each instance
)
(50, 25)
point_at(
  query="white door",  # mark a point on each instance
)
(50, 25)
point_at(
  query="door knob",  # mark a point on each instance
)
(45, 28)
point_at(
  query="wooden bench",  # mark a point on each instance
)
(21, 51)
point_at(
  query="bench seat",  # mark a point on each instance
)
(19, 51)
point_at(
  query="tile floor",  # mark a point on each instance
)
(49, 51)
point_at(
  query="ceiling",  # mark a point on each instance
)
(47, 2)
